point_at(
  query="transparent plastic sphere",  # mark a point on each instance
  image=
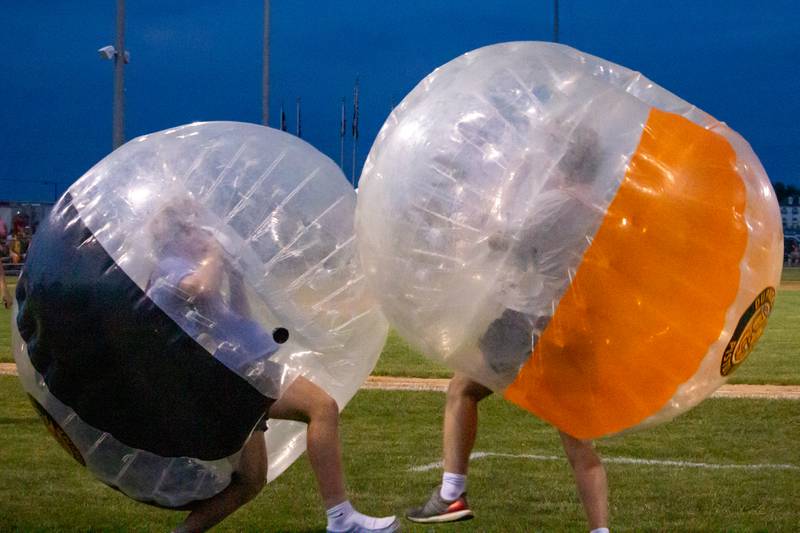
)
(570, 234)
(176, 289)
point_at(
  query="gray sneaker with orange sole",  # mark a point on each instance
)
(438, 510)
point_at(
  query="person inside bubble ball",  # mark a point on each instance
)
(187, 284)
(542, 254)
(539, 255)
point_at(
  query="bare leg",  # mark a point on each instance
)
(590, 478)
(305, 402)
(461, 422)
(246, 482)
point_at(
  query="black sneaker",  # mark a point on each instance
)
(437, 509)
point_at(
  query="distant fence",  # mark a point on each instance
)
(12, 269)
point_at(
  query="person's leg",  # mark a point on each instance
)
(590, 479)
(461, 422)
(448, 503)
(305, 402)
(246, 482)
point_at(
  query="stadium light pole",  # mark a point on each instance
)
(265, 69)
(119, 78)
(121, 57)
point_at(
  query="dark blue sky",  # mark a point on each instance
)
(201, 60)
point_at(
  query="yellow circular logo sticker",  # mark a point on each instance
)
(748, 331)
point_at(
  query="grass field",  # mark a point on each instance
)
(791, 275)
(728, 465)
(776, 357)
(5, 326)
(775, 360)
(718, 480)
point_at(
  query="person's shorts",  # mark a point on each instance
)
(507, 342)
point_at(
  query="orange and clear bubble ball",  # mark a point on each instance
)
(570, 234)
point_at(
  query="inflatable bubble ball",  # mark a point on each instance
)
(182, 282)
(570, 234)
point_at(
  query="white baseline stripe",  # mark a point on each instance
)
(618, 460)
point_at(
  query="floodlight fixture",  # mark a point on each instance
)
(107, 52)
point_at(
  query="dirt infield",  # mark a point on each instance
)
(8, 369)
(770, 392)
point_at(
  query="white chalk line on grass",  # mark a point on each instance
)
(617, 460)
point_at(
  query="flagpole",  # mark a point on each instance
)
(265, 69)
(355, 130)
(298, 128)
(555, 21)
(342, 131)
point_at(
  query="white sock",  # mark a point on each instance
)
(453, 486)
(342, 517)
(600, 530)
